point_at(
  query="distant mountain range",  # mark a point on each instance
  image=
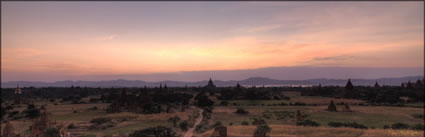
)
(278, 73)
(258, 81)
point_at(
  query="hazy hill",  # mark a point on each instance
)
(259, 81)
(278, 73)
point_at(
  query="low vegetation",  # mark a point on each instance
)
(308, 122)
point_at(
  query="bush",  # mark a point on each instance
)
(32, 112)
(93, 108)
(204, 101)
(299, 104)
(71, 126)
(174, 120)
(224, 103)
(420, 116)
(13, 113)
(399, 126)
(51, 132)
(244, 123)
(262, 131)
(158, 131)
(418, 127)
(217, 124)
(100, 121)
(184, 125)
(241, 111)
(352, 125)
(386, 127)
(258, 121)
(308, 123)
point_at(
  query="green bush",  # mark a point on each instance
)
(224, 103)
(353, 125)
(184, 125)
(217, 124)
(241, 111)
(308, 123)
(51, 132)
(420, 116)
(158, 131)
(71, 126)
(244, 123)
(32, 112)
(100, 121)
(418, 127)
(386, 127)
(258, 121)
(399, 126)
(93, 108)
(262, 131)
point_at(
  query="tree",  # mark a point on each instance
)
(204, 101)
(241, 111)
(51, 132)
(32, 112)
(158, 131)
(184, 125)
(174, 120)
(262, 131)
(332, 106)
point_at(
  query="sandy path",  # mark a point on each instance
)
(189, 133)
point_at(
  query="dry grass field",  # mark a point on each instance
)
(296, 131)
(280, 118)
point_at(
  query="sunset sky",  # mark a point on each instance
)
(111, 38)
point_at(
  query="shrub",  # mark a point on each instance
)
(204, 101)
(418, 127)
(217, 124)
(71, 126)
(386, 127)
(224, 103)
(93, 108)
(51, 132)
(352, 125)
(174, 120)
(100, 121)
(158, 131)
(32, 112)
(308, 123)
(258, 121)
(184, 125)
(356, 125)
(241, 111)
(262, 131)
(13, 113)
(299, 104)
(244, 123)
(420, 116)
(399, 126)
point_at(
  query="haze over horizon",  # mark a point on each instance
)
(277, 73)
(191, 41)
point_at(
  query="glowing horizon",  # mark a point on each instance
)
(98, 38)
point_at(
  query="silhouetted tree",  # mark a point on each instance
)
(331, 106)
